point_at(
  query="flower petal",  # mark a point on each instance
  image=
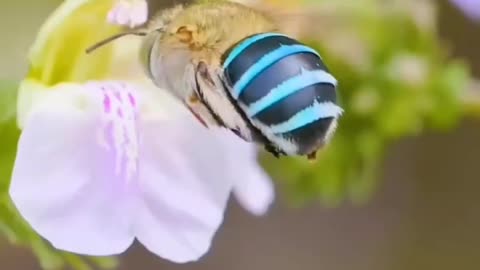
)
(139, 13)
(256, 193)
(253, 188)
(128, 12)
(471, 8)
(64, 181)
(82, 23)
(185, 181)
(30, 92)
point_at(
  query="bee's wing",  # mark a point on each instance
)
(210, 88)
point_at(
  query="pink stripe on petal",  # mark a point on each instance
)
(124, 137)
(107, 104)
(132, 100)
(117, 94)
(120, 112)
(79, 183)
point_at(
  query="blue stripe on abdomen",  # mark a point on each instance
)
(289, 87)
(309, 137)
(288, 107)
(283, 88)
(266, 61)
(306, 116)
(251, 54)
(238, 50)
(277, 73)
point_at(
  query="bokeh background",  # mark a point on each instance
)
(399, 188)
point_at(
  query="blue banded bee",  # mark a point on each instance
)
(230, 65)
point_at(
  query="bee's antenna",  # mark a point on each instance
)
(112, 38)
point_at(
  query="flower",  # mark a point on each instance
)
(102, 162)
(470, 7)
(129, 12)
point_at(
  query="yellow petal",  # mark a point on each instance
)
(58, 54)
(30, 93)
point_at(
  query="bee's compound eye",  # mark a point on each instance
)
(146, 51)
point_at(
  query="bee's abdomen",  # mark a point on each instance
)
(284, 86)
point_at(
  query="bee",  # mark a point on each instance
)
(232, 67)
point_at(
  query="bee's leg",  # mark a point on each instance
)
(273, 150)
(241, 127)
(205, 104)
(208, 83)
(197, 116)
(197, 102)
(312, 156)
(200, 111)
(202, 71)
(194, 101)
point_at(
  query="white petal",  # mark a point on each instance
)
(64, 181)
(185, 181)
(30, 93)
(253, 188)
(128, 12)
(139, 13)
(256, 192)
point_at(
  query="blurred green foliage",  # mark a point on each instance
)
(395, 80)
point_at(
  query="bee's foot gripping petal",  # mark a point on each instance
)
(200, 119)
(273, 150)
(312, 157)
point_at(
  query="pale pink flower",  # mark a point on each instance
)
(130, 13)
(101, 164)
(470, 7)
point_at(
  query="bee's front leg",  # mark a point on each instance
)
(312, 156)
(200, 112)
(194, 101)
(190, 105)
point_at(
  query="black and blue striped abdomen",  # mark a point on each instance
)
(284, 89)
